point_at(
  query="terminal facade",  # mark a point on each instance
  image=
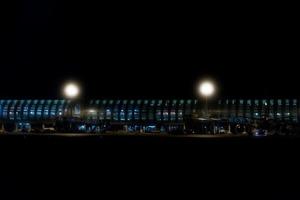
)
(163, 111)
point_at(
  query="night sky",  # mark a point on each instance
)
(146, 50)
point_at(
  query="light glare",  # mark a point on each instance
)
(71, 90)
(207, 88)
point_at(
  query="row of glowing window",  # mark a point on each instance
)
(270, 110)
(139, 102)
(34, 111)
(258, 114)
(278, 102)
(14, 103)
(135, 114)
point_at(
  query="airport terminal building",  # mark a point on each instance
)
(144, 111)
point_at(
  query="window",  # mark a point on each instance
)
(39, 111)
(109, 109)
(256, 109)
(1, 110)
(130, 111)
(101, 114)
(181, 102)
(271, 109)
(279, 109)
(116, 113)
(61, 110)
(174, 102)
(287, 111)
(108, 114)
(287, 102)
(173, 115)
(158, 111)
(295, 102)
(158, 114)
(32, 111)
(124, 108)
(279, 102)
(116, 110)
(11, 115)
(129, 114)
(12, 111)
(180, 110)
(19, 110)
(53, 109)
(294, 114)
(122, 115)
(165, 115)
(144, 110)
(26, 109)
(102, 110)
(93, 114)
(241, 108)
(136, 111)
(248, 109)
(151, 110)
(136, 114)
(180, 114)
(5, 110)
(188, 107)
(46, 109)
(287, 114)
(152, 103)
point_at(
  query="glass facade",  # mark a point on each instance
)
(145, 110)
(23, 110)
(150, 110)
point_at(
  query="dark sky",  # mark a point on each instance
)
(146, 50)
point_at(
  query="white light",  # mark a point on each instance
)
(71, 90)
(92, 111)
(206, 88)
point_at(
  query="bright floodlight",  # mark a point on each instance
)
(71, 90)
(206, 88)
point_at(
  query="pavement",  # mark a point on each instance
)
(140, 165)
(120, 133)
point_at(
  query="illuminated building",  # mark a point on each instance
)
(144, 111)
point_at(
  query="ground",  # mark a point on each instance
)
(155, 166)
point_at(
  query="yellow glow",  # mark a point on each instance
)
(207, 88)
(71, 90)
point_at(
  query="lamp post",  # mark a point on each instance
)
(206, 89)
(71, 91)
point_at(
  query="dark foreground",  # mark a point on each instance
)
(141, 166)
